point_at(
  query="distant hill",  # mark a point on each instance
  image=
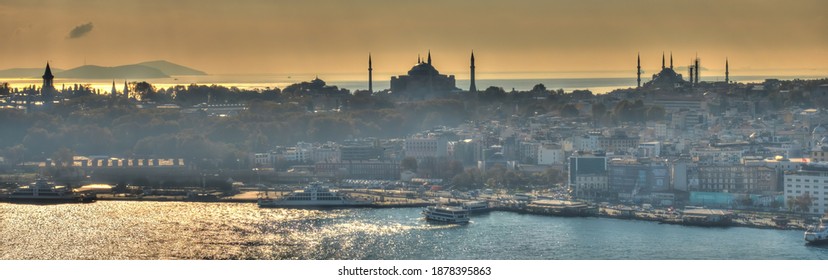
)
(117, 72)
(143, 70)
(25, 72)
(172, 69)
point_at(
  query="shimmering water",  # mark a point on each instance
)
(178, 230)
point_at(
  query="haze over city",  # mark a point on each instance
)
(326, 37)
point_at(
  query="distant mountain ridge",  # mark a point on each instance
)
(172, 69)
(144, 70)
(25, 72)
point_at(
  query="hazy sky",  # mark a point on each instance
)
(335, 36)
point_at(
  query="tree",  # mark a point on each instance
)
(539, 88)
(598, 111)
(569, 110)
(409, 163)
(64, 157)
(803, 202)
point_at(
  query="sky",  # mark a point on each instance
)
(519, 37)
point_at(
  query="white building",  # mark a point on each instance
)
(590, 142)
(420, 148)
(813, 184)
(650, 149)
(550, 155)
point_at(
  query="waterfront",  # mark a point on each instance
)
(186, 230)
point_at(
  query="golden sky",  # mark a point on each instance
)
(335, 36)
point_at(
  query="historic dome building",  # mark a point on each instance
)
(423, 81)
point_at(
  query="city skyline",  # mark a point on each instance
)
(330, 37)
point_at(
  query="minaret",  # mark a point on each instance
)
(114, 91)
(472, 87)
(727, 71)
(48, 78)
(429, 57)
(662, 60)
(638, 73)
(370, 75)
(671, 60)
(697, 69)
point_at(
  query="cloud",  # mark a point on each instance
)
(80, 30)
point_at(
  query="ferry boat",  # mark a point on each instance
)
(817, 234)
(446, 214)
(476, 207)
(46, 192)
(312, 196)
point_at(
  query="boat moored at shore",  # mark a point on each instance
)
(43, 191)
(314, 196)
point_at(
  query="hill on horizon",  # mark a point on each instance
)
(172, 69)
(118, 72)
(26, 72)
(144, 70)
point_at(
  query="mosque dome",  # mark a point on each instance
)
(423, 69)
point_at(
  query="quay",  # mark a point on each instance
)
(545, 207)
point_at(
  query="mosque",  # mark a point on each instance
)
(423, 81)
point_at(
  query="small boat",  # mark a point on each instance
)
(817, 234)
(446, 214)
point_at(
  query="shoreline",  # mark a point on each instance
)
(650, 216)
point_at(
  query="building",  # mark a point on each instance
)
(549, 154)
(632, 176)
(359, 150)
(667, 78)
(803, 186)
(736, 179)
(618, 142)
(369, 169)
(421, 147)
(588, 176)
(592, 186)
(423, 81)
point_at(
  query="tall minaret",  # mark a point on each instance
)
(727, 71)
(370, 75)
(48, 78)
(671, 60)
(662, 60)
(697, 69)
(429, 57)
(114, 91)
(472, 87)
(638, 73)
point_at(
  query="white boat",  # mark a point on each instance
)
(44, 191)
(446, 214)
(816, 234)
(475, 207)
(314, 195)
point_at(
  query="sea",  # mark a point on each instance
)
(134, 230)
